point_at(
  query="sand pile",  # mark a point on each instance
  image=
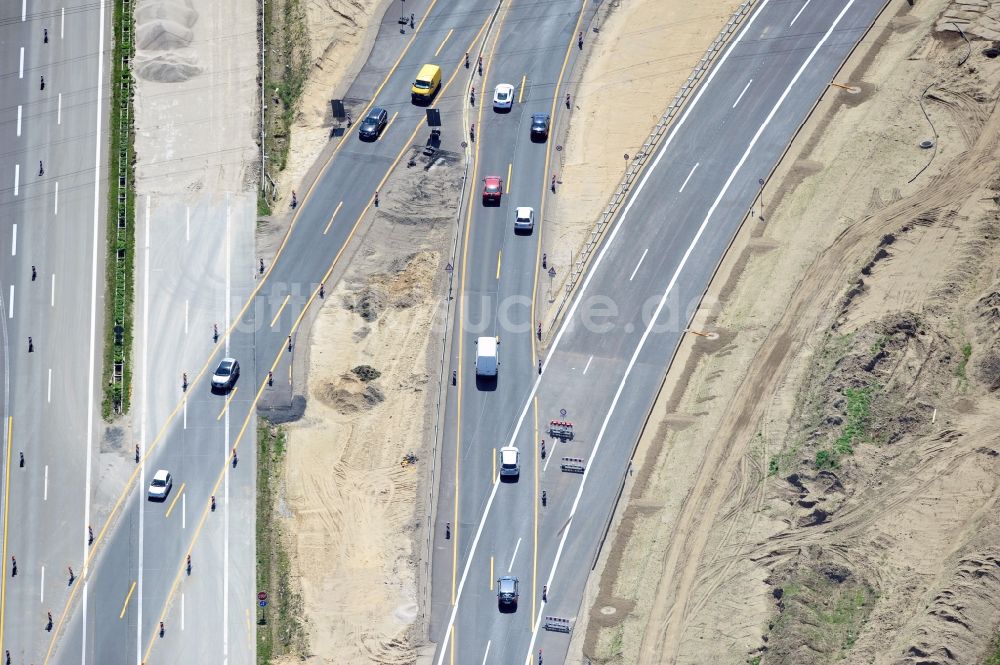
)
(167, 67)
(166, 25)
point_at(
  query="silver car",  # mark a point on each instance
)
(226, 374)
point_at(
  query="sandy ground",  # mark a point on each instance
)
(195, 97)
(356, 509)
(341, 34)
(634, 66)
(820, 483)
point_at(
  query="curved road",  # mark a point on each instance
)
(606, 361)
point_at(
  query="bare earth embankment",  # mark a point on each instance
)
(820, 484)
(353, 511)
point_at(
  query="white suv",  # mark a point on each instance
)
(524, 219)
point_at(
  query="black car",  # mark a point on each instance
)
(507, 593)
(539, 126)
(373, 124)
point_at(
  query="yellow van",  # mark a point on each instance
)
(426, 85)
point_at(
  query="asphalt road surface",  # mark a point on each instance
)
(52, 193)
(139, 576)
(604, 365)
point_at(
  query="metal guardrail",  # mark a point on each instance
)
(648, 148)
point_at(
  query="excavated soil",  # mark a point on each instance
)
(822, 486)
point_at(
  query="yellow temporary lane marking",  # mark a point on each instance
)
(6, 512)
(232, 394)
(534, 540)
(173, 503)
(391, 120)
(128, 597)
(510, 169)
(260, 391)
(330, 223)
(520, 92)
(209, 361)
(461, 317)
(499, 258)
(443, 42)
(280, 309)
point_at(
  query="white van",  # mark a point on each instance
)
(487, 362)
(509, 464)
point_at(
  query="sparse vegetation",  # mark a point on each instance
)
(286, 66)
(826, 459)
(279, 628)
(822, 609)
(859, 403)
(964, 362)
(993, 653)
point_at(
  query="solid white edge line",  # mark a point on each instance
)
(745, 88)
(91, 377)
(143, 418)
(225, 452)
(637, 265)
(685, 183)
(799, 12)
(487, 654)
(663, 301)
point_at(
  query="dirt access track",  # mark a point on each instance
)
(819, 484)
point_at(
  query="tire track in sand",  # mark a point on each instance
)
(809, 310)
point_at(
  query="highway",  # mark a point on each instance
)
(605, 362)
(137, 577)
(51, 197)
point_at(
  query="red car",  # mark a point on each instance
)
(492, 189)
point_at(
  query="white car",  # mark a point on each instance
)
(160, 486)
(503, 96)
(510, 462)
(524, 219)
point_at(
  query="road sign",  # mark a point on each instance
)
(261, 595)
(262, 603)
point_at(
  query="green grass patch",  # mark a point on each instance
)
(993, 653)
(279, 628)
(859, 413)
(826, 459)
(116, 372)
(820, 615)
(964, 362)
